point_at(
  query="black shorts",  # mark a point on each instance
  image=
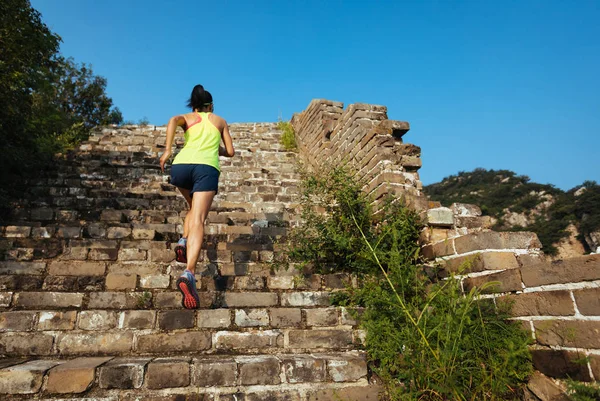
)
(195, 177)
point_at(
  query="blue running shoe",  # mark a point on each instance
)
(186, 284)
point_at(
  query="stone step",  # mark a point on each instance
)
(299, 377)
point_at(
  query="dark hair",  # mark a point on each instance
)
(199, 98)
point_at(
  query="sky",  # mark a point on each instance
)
(494, 84)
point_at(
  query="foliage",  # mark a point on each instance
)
(47, 103)
(425, 338)
(583, 391)
(288, 139)
(500, 191)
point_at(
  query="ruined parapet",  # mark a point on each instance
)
(362, 138)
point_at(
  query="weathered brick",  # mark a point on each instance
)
(354, 393)
(118, 232)
(588, 301)
(174, 342)
(74, 376)
(304, 369)
(96, 230)
(439, 249)
(496, 240)
(76, 268)
(123, 373)
(249, 283)
(75, 253)
(48, 300)
(17, 321)
(103, 254)
(168, 372)
(332, 339)
(285, 317)
(57, 320)
(68, 232)
(143, 233)
(111, 215)
(24, 378)
(229, 340)
(97, 320)
(503, 281)
(544, 388)
(339, 280)
(95, 343)
(258, 370)
(573, 270)
(542, 303)
(214, 318)
(560, 364)
(280, 282)
(213, 371)
(28, 268)
(161, 255)
(347, 368)
(249, 299)
(42, 214)
(129, 254)
(595, 365)
(167, 300)
(482, 261)
(322, 316)
(17, 231)
(155, 281)
(251, 317)
(116, 300)
(26, 344)
(42, 232)
(60, 283)
(318, 298)
(121, 281)
(137, 319)
(568, 333)
(5, 299)
(176, 319)
(349, 316)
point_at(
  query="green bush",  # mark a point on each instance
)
(288, 139)
(583, 391)
(425, 338)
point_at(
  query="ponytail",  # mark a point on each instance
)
(199, 98)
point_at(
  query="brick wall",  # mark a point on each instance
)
(362, 137)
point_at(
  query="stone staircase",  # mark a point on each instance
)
(88, 304)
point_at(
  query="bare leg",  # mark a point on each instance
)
(201, 202)
(186, 223)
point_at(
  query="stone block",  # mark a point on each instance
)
(76, 268)
(346, 368)
(57, 320)
(568, 333)
(322, 316)
(123, 373)
(249, 299)
(466, 210)
(214, 318)
(96, 230)
(176, 319)
(165, 300)
(121, 281)
(73, 377)
(17, 231)
(595, 365)
(118, 232)
(5, 299)
(161, 255)
(28, 268)
(285, 317)
(545, 389)
(137, 319)
(440, 217)
(496, 240)
(280, 282)
(155, 281)
(168, 373)
(251, 317)
(440, 249)
(48, 300)
(482, 261)
(561, 364)
(259, 370)
(190, 341)
(97, 320)
(143, 233)
(230, 340)
(42, 214)
(309, 298)
(573, 270)
(129, 254)
(103, 254)
(283, 395)
(17, 321)
(209, 372)
(353, 393)
(117, 300)
(329, 339)
(75, 253)
(588, 301)
(68, 232)
(110, 343)
(543, 303)
(61, 283)
(503, 281)
(26, 378)
(304, 369)
(19, 344)
(249, 283)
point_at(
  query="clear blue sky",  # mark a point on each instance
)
(494, 84)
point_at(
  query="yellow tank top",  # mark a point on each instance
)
(202, 140)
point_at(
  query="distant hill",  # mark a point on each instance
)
(517, 204)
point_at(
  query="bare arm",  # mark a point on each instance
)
(174, 122)
(228, 150)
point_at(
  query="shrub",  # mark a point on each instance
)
(425, 338)
(288, 139)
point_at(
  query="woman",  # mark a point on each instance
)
(195, 172)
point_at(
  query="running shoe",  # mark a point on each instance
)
(180, 251)
(186, 284)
